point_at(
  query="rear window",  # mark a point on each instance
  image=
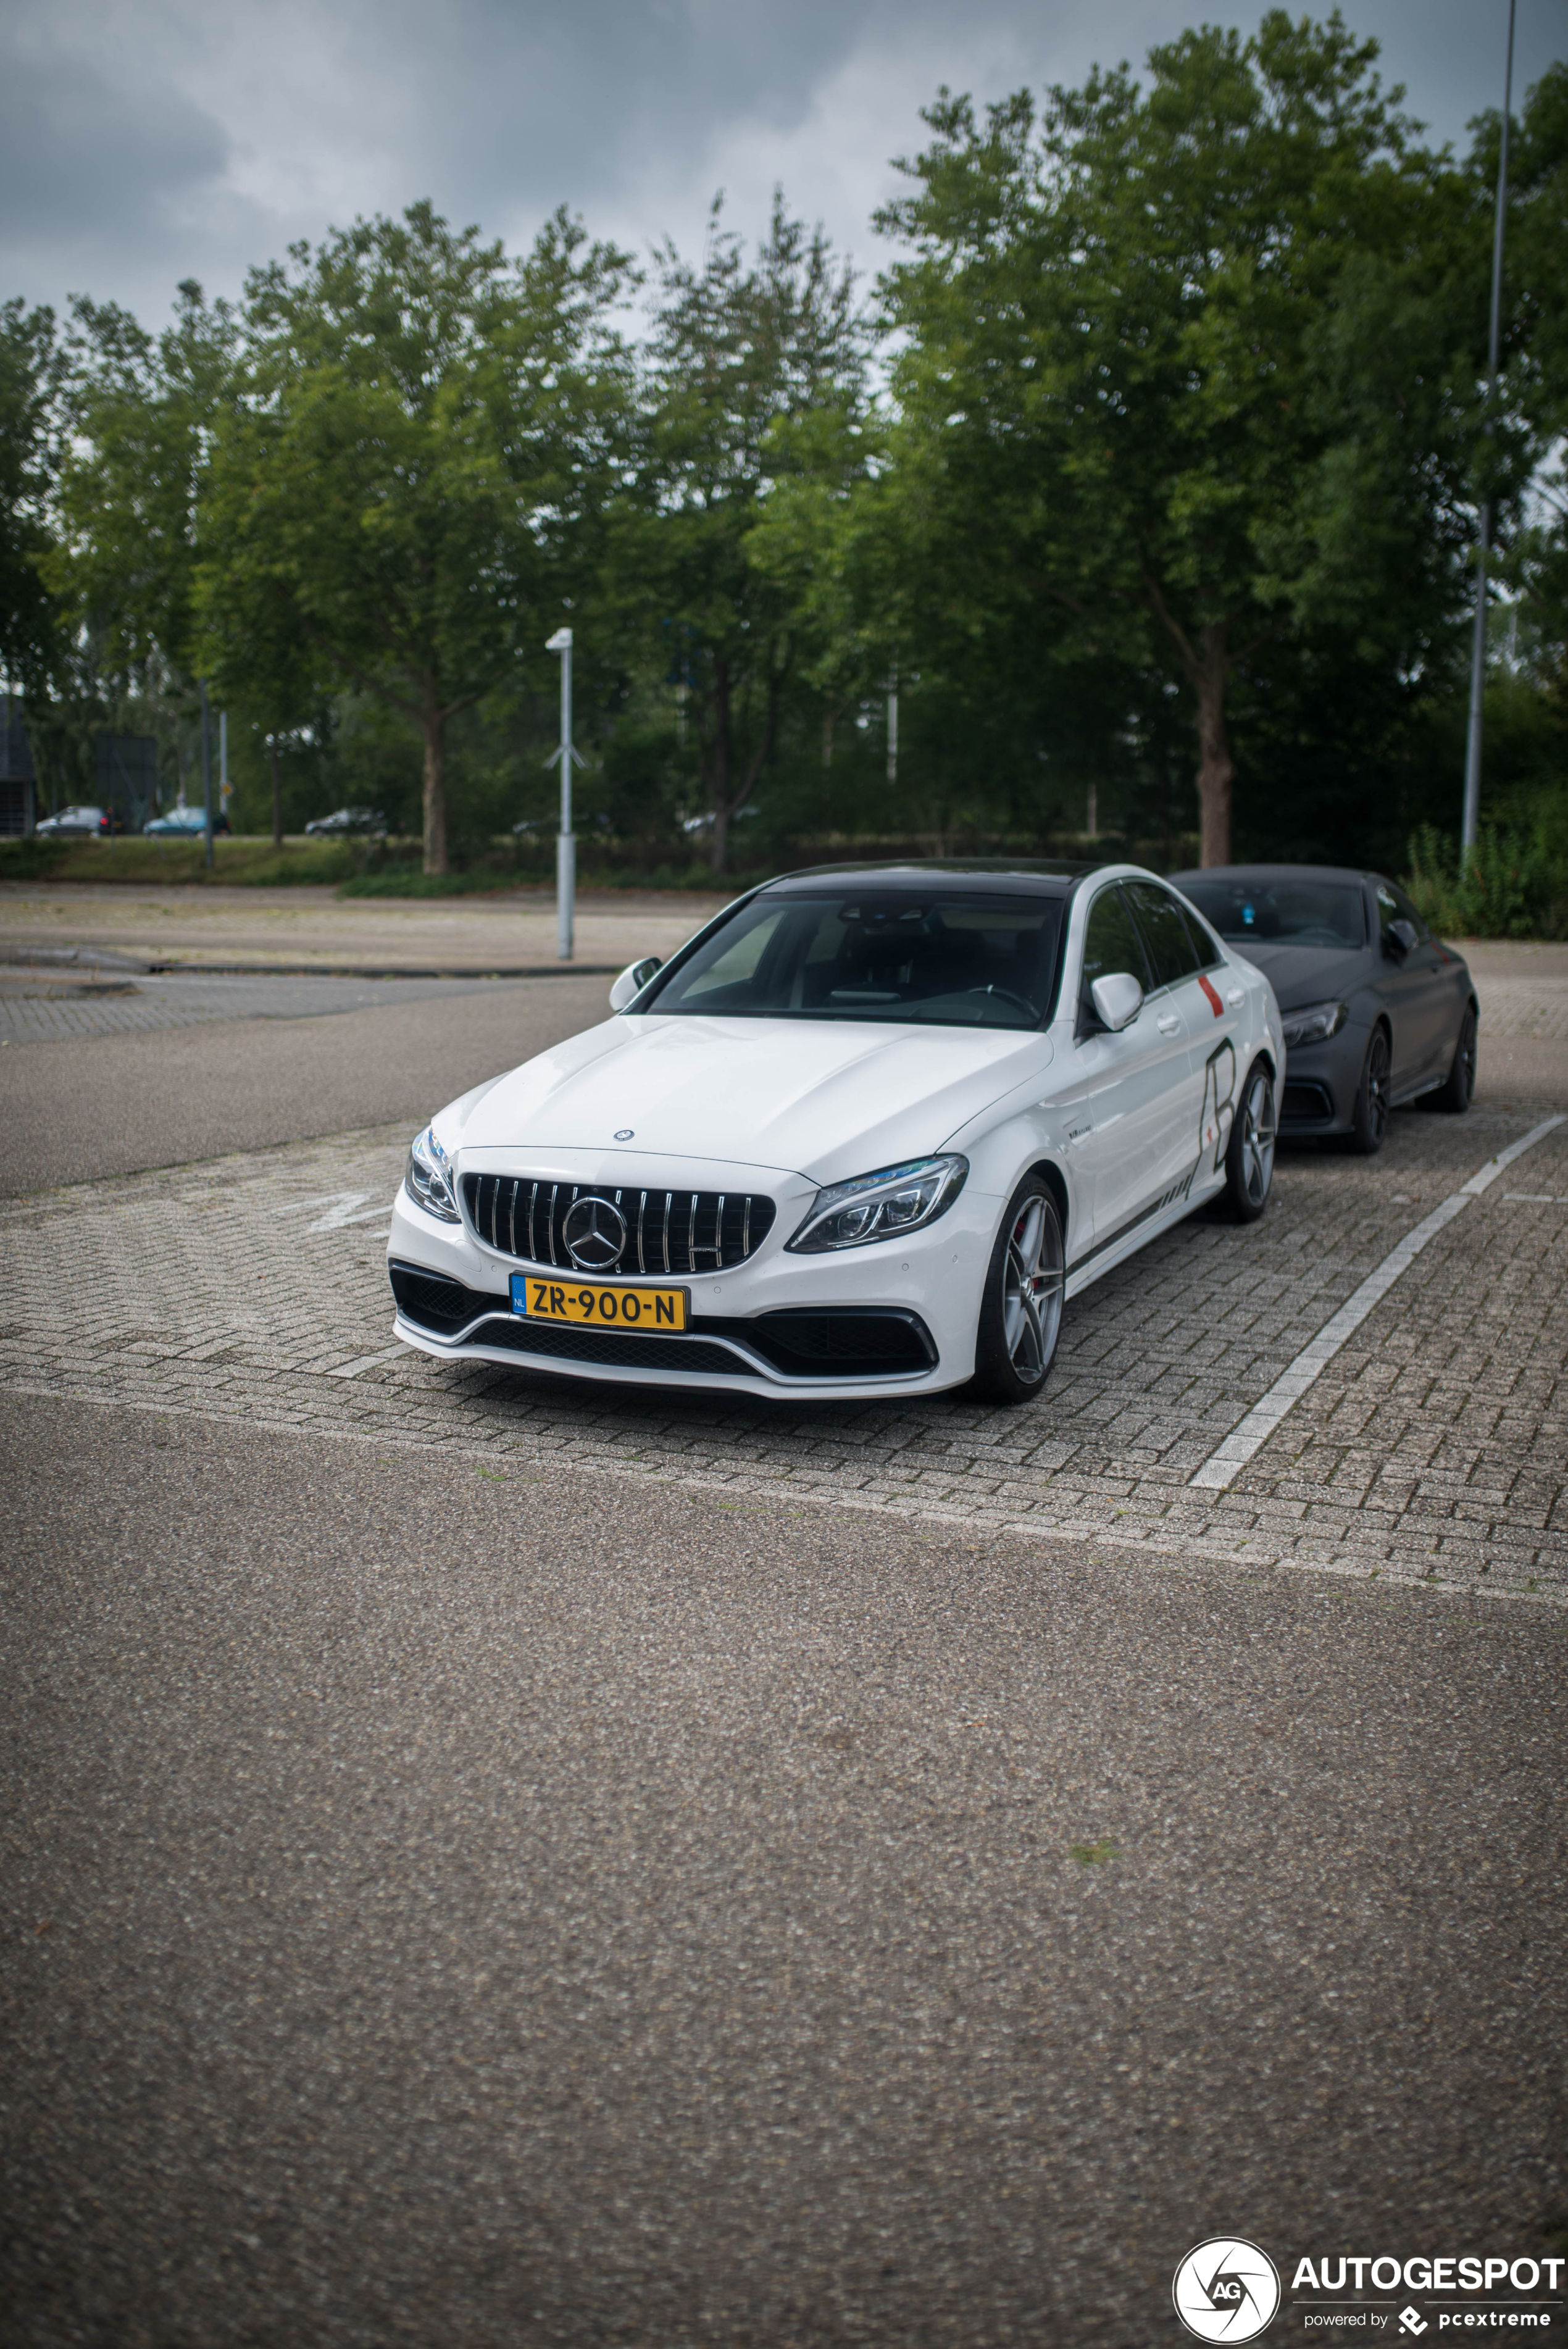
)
(968, 960)
(1283, 913)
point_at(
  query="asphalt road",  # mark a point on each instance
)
(448, 1907)
(86, 1106)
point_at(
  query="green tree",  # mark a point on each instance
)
(406, 484)
(142, 410)
(741, 348)
(1190, 366)
(1537, 317)
(29, 384)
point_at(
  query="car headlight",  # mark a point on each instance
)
(881, 1206)
(1315, 1023)
(428, 1181)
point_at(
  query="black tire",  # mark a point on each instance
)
(1458, 1088)
(1369, 1123)
(1250, 1154)
(1021, 1304)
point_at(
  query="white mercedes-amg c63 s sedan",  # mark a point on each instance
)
(865, 1135)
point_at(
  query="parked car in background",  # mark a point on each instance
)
(80, 823)
(183, 824)
(1377, 1010)
(367, 821)
(867, 1133)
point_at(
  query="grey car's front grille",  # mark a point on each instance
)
(665, 1231)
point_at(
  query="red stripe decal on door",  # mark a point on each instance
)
(1214, 1002)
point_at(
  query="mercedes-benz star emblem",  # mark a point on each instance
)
(595, 1233)
(625, 1135)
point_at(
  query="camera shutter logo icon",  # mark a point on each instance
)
(1226, 2290)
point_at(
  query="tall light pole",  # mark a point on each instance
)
(1478, 641)
(207, 771)
(565, 845)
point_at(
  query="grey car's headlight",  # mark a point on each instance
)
(428, 1181)
(1315, 1024)
(881, 1206)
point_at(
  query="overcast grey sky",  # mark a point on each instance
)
(146, 140)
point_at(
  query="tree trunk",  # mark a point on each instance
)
(277, 797)
(728, 804)
(723, 764)
(1216, 768)
(434, 731)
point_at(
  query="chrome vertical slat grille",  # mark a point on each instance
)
(522, 1216)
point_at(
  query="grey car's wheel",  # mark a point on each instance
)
(1369, 1121)
(1455, 1092)
(1250, 1156)
(1021, 1305)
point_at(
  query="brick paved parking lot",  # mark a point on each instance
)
(1432, 1445)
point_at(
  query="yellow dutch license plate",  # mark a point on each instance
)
(608, 1305)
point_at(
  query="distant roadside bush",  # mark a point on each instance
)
(159, 863)
(1514, 885)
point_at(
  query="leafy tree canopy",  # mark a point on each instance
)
(1179, 367)
(421, 436)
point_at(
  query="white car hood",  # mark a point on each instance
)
(819, 1099)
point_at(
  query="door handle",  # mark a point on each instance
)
(1235, 995)
(1170, 1026)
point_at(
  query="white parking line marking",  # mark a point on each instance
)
(1225, 1462)
(343, 1208)
(1494, 1166)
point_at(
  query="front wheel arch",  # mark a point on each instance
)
(1016, 1342)
(1051, 1174)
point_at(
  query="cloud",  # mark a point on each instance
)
(146, 140)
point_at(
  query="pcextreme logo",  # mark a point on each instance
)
(1226, 2290)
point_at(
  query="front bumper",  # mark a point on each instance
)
(1319, 1092)
(896, 1317)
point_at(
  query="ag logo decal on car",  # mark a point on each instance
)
(1226, 2290)
(595, 1234)
(1219, 1104)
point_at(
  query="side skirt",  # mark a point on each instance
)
(1162, 1219)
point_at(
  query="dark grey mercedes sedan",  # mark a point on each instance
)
(1377, 1010)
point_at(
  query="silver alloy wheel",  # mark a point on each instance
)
(1258, 1137)
(1032, 1281)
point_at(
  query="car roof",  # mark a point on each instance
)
(1049, 877)
(1355, 874)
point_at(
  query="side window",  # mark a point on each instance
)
(1110, 943)
(1204, 945)
(1393, 906)
(1171, 949)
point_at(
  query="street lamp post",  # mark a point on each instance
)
(565, 845)
(207, 771)
(1478, 640)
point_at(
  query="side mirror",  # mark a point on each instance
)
(1398, 939)
(1117, 1000)
(632, 980)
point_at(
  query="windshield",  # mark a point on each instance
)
(967, 961)
(1283, 913)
